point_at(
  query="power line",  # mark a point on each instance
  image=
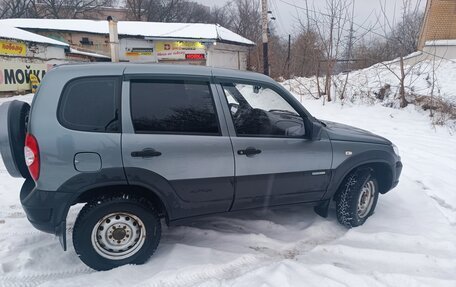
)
(337, 17)
(360, 26)
(276, 8)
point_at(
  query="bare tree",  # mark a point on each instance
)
(220, 16)
(404, 39)
(59, 9)
(13, 8)
(246, 18)
(330, 26)
(171, 11)
(138, 9)
(168, 11)
(306, 52)
(190, 12)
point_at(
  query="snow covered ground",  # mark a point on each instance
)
(409, 241)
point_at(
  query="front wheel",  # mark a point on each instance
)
(356, 198)
(114, 231)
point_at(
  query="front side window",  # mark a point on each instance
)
(173, 106)
(91, 104)
(260, 111)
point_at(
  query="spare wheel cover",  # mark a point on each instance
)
(13, 119)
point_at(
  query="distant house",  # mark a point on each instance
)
(438, 33)
(151, 42)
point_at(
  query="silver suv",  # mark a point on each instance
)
(138, 143)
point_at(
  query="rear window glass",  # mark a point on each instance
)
(173, 107)
(91, 104)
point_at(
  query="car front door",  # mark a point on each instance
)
(276, 162)
(174, 144)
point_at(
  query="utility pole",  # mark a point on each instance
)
(113, 39)
(351, 36)
(288, 55)
(264, 17)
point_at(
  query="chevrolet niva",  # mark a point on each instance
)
(140, 142)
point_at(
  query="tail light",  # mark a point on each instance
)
(32, 156)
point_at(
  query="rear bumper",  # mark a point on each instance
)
(46, 210)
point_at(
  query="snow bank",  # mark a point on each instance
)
(409, 241)
(379, 84)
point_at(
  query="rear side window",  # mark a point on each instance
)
(91, 104)
(173, 107)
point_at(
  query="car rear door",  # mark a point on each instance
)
(174, 143)
(276, 162)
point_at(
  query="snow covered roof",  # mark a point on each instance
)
(10, 32)
(197, 31)
(90, 54)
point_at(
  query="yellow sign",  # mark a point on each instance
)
(16, 76)
(135, 52)
(178, 50)
(12, 48)
(178, 45)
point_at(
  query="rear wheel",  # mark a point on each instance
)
(114, 231)
(356, 198)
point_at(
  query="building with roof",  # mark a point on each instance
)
(150, 42)
(23, 53)
(438, 33)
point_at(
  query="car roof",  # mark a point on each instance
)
(164, 69)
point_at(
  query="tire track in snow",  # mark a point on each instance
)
(37, 279)
(199, 273)
(440, 202)
(12, 214)
(195, 275)
(443, 203)
(406, 263)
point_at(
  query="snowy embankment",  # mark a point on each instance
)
(409, 241)
(429, 84)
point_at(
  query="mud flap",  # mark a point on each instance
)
(61, 233)
(323, 208)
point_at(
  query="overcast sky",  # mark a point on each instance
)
(286, 14)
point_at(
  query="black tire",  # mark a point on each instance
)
(348, 198)
(93, 213)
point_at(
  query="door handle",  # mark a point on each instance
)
(147, 152)
(249, 151)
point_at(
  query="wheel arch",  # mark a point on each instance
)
(134, 190)
(382, 170)
(383, 173)
(382, 162)
(91, 191)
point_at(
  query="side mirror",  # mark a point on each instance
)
(316, 130)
